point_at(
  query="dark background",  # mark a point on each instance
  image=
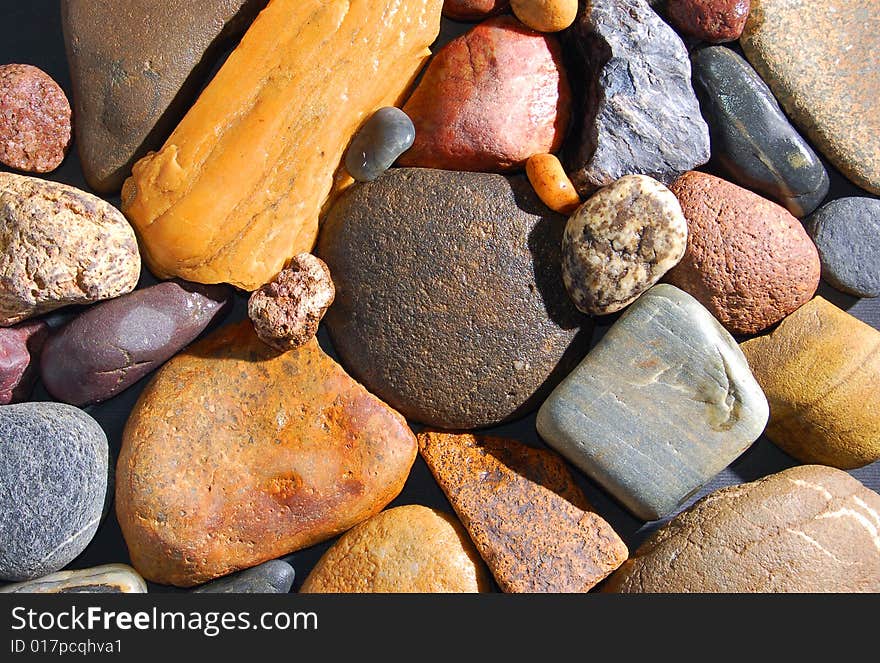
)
(30, 33)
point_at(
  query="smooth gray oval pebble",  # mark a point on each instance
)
(385, 136)
(274, 577)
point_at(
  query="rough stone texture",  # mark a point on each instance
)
(545, 15)
(489, 100)
(235, 454)
(748, 260)
(20, 349)
(449, 298)
(385, 136)
(820, 60)
(106, 579)
(405, 549)
(806, 529)
(109, 347)
(551, 184)
(531, 523)
(714, 21)
(752, 140)
(34, 119)
(640, 114)
(473, 10)
(53, 465)
(663, 403)
(847, 235)
(60, 246)
(274, 577)
(820, 370)
(135, 72)
(286, 311)
(620, 243)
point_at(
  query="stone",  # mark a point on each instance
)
(20, 349)
(449, 303)
(620, 243)
(286, 311)
(136, 72)
(273, 577)
(60, 246)
(820, 60)
(545, 15)
(34, 119)
(53, 460)
(638, 112)
(550, 182)
(489, 100)
(806, 529)
(406, 549)
(748, 260)
(238, 187)
(106, 579)
(714, 21)
(530, 522)
(385, 136)
(820, 370)
(473, 10)
(847, 233)
(752, 140)
(235, 454)
(112, 345)
(662, 404)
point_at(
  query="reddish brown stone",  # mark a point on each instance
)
(20, 349)
(715, 21)
(748, 260)
(531, 523)
(489, 100)
(473, 10)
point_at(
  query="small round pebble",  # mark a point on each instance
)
(847, 234)
(552, 185)
(287, 310)
(273, 577)
(714, 21)
(620, 243)
(545, 15)
(35, 119)
(385, 136)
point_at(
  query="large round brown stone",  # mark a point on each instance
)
(450, 304)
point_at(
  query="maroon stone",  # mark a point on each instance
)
(715, 21)
(473, 10)
(20, 348)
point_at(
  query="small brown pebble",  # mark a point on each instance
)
(34, 119)
(714, 21)
(545, 15)
(552, 185)
(287, 310)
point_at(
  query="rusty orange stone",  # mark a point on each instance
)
(552, 185)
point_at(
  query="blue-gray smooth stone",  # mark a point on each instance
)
(275, 577)
(385, 136)
(53, 479)
(751, 137)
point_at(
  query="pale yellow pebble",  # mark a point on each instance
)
(552, 185)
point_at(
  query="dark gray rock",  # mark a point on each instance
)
(450, 304)
(106, 579)
(640, 113)
(751, 137)
(20, 349)
(847, 233)
(385, 136)
(275, 577)
(53, 479)
(111, 346)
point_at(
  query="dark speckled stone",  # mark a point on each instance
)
(275, 577)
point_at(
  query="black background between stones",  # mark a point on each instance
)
(30, 33)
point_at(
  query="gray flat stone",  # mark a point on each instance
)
(274, 577)
(106, 579)
(663, 403)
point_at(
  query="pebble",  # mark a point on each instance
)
(620, 243)
(274, 577)
(662, 404)
(748, 260)
(53, 461)
(499, 64)
(106, 579)
(60, 246)
(473, 10)
(286, 311)
(847, 234)
(807, 529)
(34, 119)
(406, 549)
(20, 349)
(235, 454)
(462, 271)
(640, 113)
(380, 141)
(548, 178)
(752, 139)
(112, 345)
(523, 510)
(714, 21)
(820, 370)
(545, 15)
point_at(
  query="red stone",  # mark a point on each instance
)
(715, 21)
(473, 10)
